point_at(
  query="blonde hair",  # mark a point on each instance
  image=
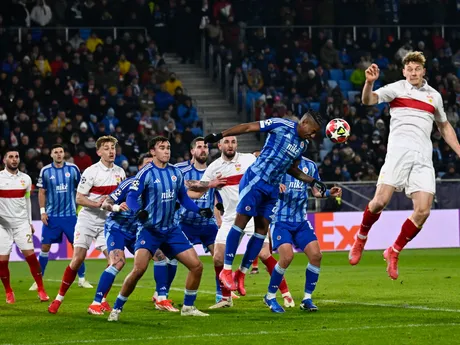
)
(105, 139)
(416, 57)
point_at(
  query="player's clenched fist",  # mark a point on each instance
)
(372, 73)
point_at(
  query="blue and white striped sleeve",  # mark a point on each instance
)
(271, 124)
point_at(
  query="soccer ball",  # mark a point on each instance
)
(338, 131)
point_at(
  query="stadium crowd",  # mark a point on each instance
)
(72, 92)
(283, 71)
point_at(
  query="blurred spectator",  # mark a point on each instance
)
(81, 159)
(172, 84)
(41, 14)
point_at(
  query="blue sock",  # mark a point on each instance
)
(253, 249)
(81, 271)
(233, 240)
(218, 289)
(120, 302)
(43, 260)
(276, 279)
(160, 274)
(189, 297)
(311, 274)
(172, 270)
(105, 282)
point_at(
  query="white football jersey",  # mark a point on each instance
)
(97, 181)
(413, 111)
(233, 170)
(13, 190)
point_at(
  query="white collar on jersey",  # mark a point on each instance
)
(234, 159)
(103, 167)
(10, 174)
(421, 88)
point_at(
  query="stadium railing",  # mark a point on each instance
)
(356, 195)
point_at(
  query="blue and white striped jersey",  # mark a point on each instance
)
(282, 147)
(206, 201)
(292, 205)
(122, 221)
(61, 189)
(159, 189)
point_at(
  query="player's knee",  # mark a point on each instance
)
(119, 265)
(315, 258)
(286, 260)
(46, 248)
(197, 268)
(218, 260)
(377, 204)
(421, 214)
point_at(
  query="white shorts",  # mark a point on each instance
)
(21, 235)
(408, 170)
(225, 229)
(85, 235)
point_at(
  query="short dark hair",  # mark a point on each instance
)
(194, 141)
(316, 116)
(143, 156)
(10, 149)
(157, 139)
(57, 146)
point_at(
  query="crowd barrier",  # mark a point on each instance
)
(335, 232)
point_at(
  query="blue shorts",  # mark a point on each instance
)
(257, 197)
(201, 234)
(52, 233)
(298, 234)
(117, 239)
(171, 243)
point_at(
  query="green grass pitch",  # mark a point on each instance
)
(357, 305)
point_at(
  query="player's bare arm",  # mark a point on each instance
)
(83, 200)
(203, 186)
(449, 135)
(295, 172)
(109, 205)
(372, 74)
(242, 128)
(42, 203)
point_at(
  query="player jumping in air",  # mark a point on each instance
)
(160, 185)
(58, 183)
(290, 227)
(414, 105)
(120, 233)
(98, 181)
(16, 223)
(232, 165)
(259, 187)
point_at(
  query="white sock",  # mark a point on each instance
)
(161, 298)
(104, 300)
(227, 267)
(243, 270)
(271, 295)
(81, 280)
(60, 298)
(307, 296)
(286, 294)
(96, 303)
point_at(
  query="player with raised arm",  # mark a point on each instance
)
(120, 233)
(96, 183)
(414, 106)
(289, 228)
(57, 193)
(159, 185)
(16, 223)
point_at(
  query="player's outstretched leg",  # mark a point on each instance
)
(270, 262)
(68, 278)
(5, 277)
(314, 255)
(233, 240)
(36, 272)
(189, 259)
(142, 258)
(103, 287)
(371, 214)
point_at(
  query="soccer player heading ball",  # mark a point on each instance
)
(414, 105)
